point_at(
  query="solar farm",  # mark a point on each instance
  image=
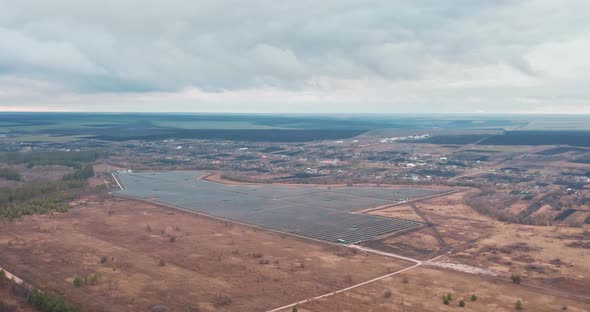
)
(322, 213)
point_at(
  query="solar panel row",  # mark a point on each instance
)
(316, 212)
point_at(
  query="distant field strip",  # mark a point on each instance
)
(315, 212)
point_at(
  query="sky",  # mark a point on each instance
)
(304, 56)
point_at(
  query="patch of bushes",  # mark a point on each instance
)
(447, 298)
(18, 209)
(10, 174)
(42, 197)
(80, 174)
(49, 302)
(92, 279)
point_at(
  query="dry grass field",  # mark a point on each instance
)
(147, 255)
(421, 289)
(549, 256)
(137, 256)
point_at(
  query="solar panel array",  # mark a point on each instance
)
(317, 212)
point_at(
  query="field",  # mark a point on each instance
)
(139, 256)
(315, 212)
(540, 137)
(422, 289)
(209, 265)
(67, 127)
(545, 256)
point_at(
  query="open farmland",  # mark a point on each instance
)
(316, 212)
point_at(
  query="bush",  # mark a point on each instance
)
(221, 300)
(387, 294)
(78, 281)
(294, 309)
(446, 301)
(473, 297)
(93, 279)
(515, 278)
(461, 303)
(519, 305)
(449, 296)
(48, 302)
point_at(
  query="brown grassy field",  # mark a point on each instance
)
(147, 255)
(548, 256)
(421, 289)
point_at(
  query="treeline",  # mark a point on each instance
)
(10, 174)
(39, 158)
(39, 206)
(82, 173)
(42, 197)
(36, 190)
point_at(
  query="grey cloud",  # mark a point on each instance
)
(168, 46)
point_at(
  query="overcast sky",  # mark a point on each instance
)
(345, 56)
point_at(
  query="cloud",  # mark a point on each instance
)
(388, 53)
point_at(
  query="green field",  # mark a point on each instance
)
(67, 127)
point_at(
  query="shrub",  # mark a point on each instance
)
(515, 278)
(446, 301)
(387, 294)
(3, 280)
(294, 309)
(449, 296)
(78, 281)
(461, 303)
(473, 297)
(348, 278)
(162, 263)
(172, 239)
(93, 279)
(519, 305)
(221, 300)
